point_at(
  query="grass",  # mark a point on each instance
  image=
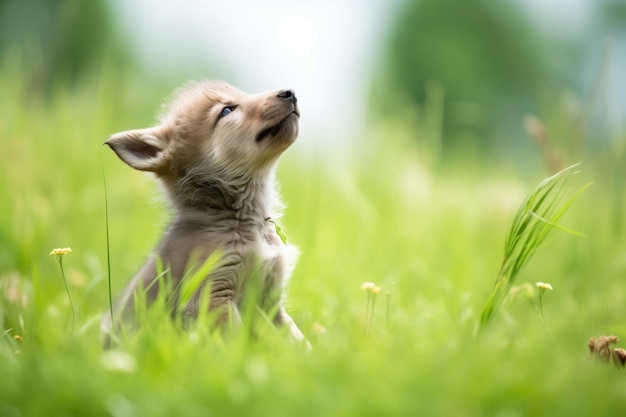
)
(534, 220)
(431, 240)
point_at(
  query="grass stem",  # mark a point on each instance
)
(107, 239)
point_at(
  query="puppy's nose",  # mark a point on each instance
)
(288, 95)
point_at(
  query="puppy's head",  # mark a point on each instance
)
(214, 129)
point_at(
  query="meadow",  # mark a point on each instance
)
(430, 237)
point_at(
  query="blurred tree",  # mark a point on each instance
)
(483, 54)
(58, 40)
(613, 14)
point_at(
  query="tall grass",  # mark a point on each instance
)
(378, 216)
(537, 216)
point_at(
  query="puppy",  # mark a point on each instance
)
(214, 152)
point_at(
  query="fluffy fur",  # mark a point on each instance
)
(214, 152)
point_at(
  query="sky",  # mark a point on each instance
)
(324, 50)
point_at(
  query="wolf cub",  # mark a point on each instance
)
(214, 152)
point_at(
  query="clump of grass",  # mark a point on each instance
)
(534, 220)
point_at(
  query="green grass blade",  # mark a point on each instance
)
(189, 285)
(537, 216)
(107, 238)
(557, 226)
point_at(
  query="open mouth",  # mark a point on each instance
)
(272, 131)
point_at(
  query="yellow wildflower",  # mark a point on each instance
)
(60, 251)
(58, 254)
(375, 290)
(543, 286)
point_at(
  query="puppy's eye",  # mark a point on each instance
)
(225, 111)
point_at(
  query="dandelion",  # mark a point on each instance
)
(372, 290)
(543, 286)
(58, 253)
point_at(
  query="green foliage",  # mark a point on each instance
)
(377, 215)
(487, 57)
(479, 50)
(59, 41)
(536, 217)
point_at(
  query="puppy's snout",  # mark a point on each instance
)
(288, 95)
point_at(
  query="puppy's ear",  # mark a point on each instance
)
(142, 149)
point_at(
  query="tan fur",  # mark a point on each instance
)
(218, 174)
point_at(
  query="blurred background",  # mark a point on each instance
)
(500, 89)
(483, 76)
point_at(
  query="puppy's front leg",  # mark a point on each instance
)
(284, 319)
